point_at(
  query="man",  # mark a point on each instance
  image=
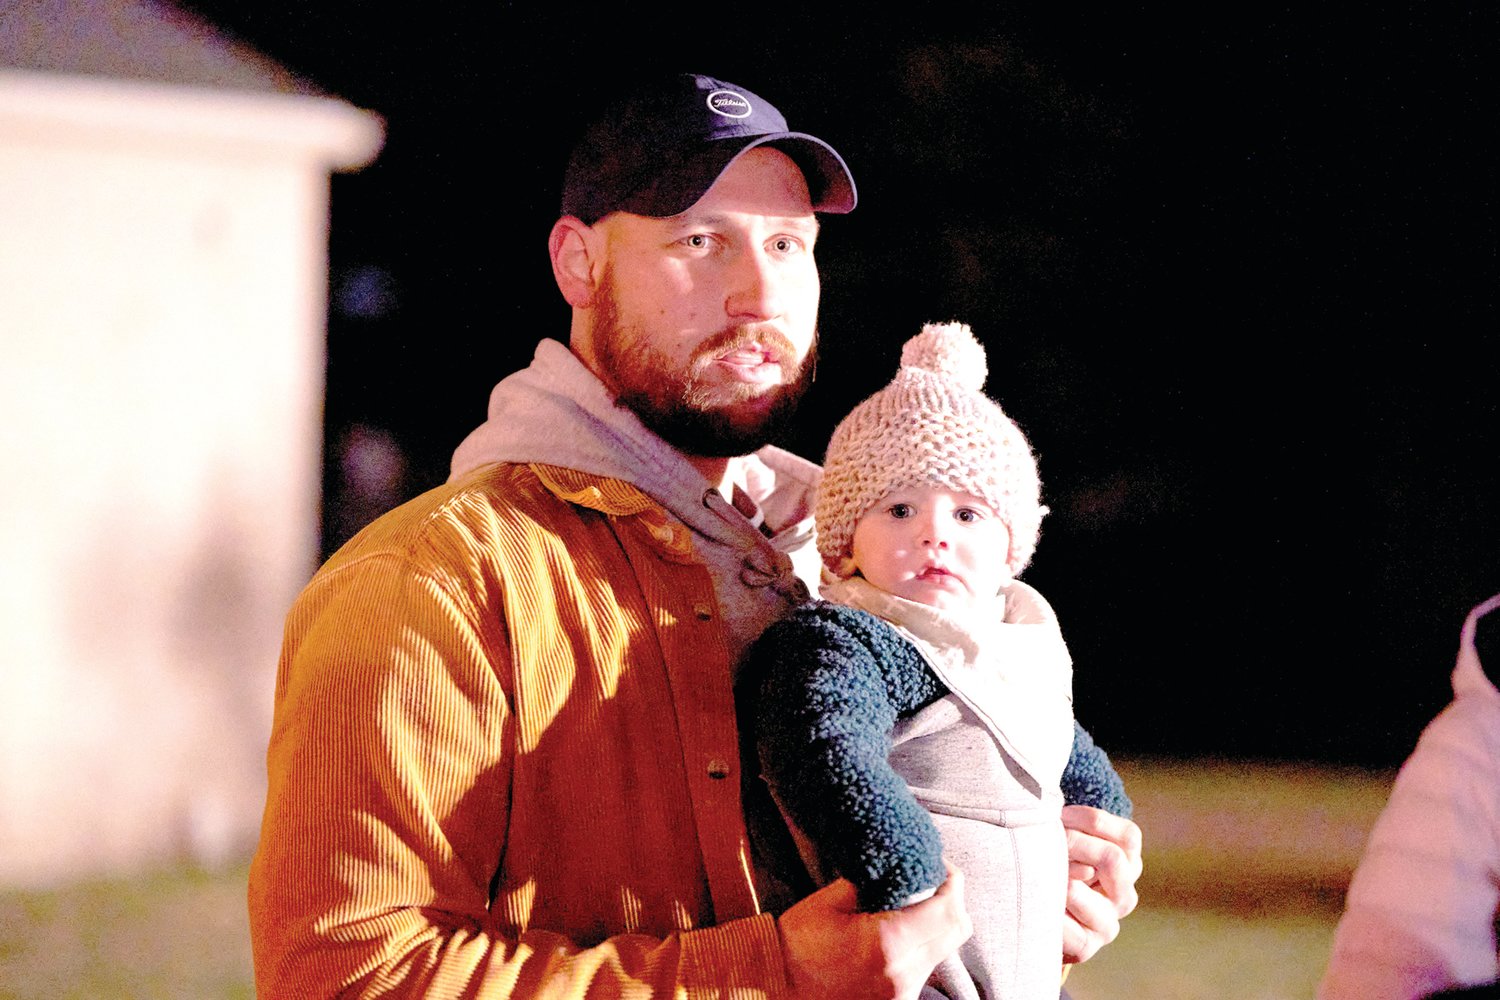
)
(504, 760)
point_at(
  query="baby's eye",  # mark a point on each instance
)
(901, 510)
(967, 515)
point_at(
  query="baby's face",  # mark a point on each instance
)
(934, 546)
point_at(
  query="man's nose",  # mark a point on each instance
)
(755, 288)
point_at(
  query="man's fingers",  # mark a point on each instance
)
(1105, 825)
(1078, 944)
(941, 921)
(1114, 872)
(1092, 922)
(1104, 861)
(952, 891)
(1113, 852)
(908, 944)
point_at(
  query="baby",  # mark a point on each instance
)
(924, 707)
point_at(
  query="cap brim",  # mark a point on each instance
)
(829, 183)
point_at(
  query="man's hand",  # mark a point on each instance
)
(1104, 860)
(834, 951)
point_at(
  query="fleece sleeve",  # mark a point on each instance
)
(824, 718)
(1090, 778)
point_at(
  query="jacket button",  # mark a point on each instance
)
(718, 769)
(703, 610)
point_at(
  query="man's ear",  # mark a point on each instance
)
(575, 249)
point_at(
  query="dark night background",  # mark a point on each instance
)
(1236, 278)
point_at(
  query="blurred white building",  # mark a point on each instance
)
(163, 243)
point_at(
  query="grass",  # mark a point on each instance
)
(1167, 953)
(179, 934)
(1246, 868)
(1246, 865)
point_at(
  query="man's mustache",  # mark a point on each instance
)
(733, 338)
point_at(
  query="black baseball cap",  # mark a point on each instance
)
(658, 149)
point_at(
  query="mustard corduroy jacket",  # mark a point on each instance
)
(504, 760)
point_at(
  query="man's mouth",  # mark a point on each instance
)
(752, 363)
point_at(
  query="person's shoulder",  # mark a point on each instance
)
(820, 614)
(824, 623)
(455, 522)
(1457, 756)
(844, 654)
(1469, 726)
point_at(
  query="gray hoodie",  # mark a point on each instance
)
(556, 412)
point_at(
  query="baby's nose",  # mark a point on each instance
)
(935, 536)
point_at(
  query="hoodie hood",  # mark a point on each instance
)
(1469, 677)
(556, 412)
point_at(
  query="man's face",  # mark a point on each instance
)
(705, 322)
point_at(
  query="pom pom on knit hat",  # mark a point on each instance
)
(932, 426)
(949, 351)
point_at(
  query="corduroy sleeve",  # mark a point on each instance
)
(388, 802)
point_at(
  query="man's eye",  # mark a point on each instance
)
(698, 241)
(901, 510)
(784, 244)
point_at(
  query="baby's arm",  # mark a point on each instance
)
(1090, 779)
(828, 700)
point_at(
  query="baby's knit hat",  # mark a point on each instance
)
(931, 426)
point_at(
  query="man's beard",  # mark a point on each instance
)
(698, 417)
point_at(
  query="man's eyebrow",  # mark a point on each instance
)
(806, 223)
(713, 220)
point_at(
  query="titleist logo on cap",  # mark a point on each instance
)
(729, 104)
